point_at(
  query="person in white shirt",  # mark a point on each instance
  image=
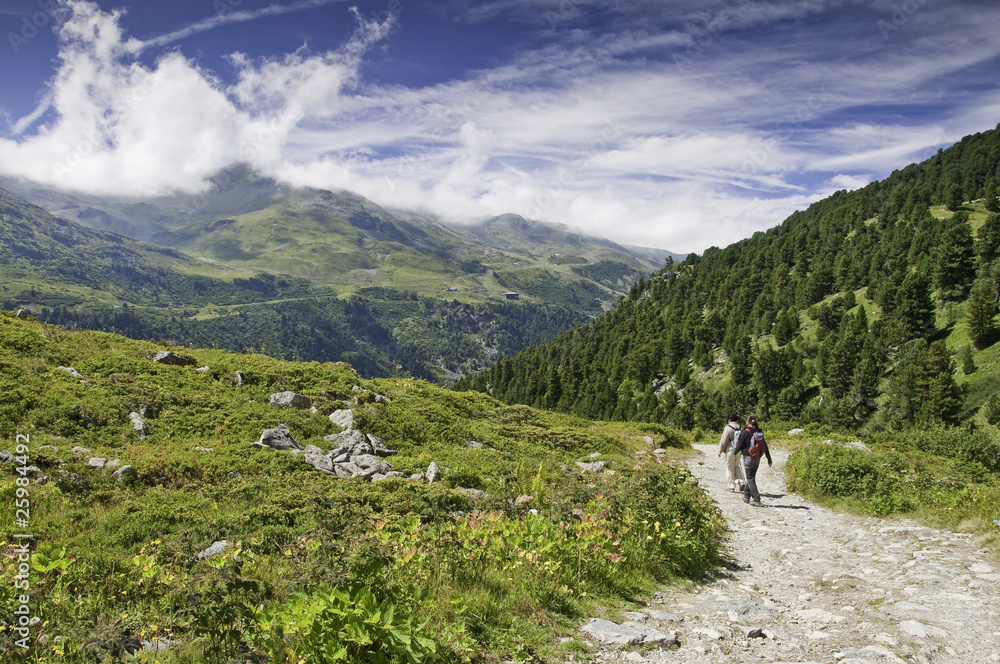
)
(727, 446)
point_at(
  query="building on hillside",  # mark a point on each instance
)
(512, 296)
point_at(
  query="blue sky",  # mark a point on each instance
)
(679, 124)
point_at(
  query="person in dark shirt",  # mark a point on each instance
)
(750, 464)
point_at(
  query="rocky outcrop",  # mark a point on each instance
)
(168, 357)
(278, 438)
(343, 419)
(355, 442)
(289, 399)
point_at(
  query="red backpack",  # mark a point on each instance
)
(757, 444)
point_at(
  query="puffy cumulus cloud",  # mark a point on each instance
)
(122, 128)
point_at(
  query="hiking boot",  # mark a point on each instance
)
(755, 503)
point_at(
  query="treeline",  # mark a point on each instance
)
(419, 337)
(838, 315)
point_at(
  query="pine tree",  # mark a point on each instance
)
(980, 313)
(956, 260)
(914, 312)
(939, 394)
(988, 244)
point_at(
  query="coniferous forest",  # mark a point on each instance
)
(869, 311)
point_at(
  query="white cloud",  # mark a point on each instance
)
(582, 129)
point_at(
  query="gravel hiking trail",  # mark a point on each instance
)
(810, 585)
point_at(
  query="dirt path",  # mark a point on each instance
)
(827, 587)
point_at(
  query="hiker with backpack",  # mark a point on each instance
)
(752, 446)
(727, 446)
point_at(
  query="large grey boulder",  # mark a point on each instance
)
(168, 357)
(320, 462)
(351, 441)
(627, 634)
(432, 472)
(343, 419)
(289, 399)
(278, 438)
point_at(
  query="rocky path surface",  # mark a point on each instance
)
(811, 585)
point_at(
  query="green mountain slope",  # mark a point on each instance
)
(249, 222)
(853, 313)
(300, 273)
(130, 470)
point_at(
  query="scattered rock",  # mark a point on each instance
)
(663, 615)
(592, 467)
(796, 432)
(474, 445)
(234, 475)
(215, 549)
(168, 357)
(278, 438)
(239, 379)
(432, 472)
(124, 474)
(204, 369)
(320, 462)
(920, 630)
(139, 425)
(857, 445)
(71, 371)
(114, 463)
(381, 399)
(80, 450)
(198, 448)
(343, 418)
(289, 399)
(82, 415)
(474, 494)
(751, 632)
(626, 634)
(97, 462)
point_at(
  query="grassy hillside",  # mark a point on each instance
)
(509, 547)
